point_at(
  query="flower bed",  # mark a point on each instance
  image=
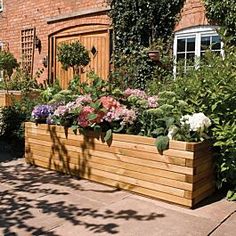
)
(183, 174)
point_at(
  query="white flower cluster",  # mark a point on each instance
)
(172, 132)
(197, 121)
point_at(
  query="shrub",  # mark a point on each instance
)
(73, 55)
(21, 81)
(7, 62)
(212, 89)
(136, 25)
(12, 122)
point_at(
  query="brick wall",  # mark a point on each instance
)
(19, 14)
(193, 14)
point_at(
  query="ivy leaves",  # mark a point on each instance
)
(223, 12)
(136, 25)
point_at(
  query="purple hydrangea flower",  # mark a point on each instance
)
(41, 112)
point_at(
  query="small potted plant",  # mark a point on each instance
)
(154, 52)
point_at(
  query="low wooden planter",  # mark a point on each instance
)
(7, 98)
(183, 174)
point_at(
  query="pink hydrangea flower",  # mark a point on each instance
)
(122, 114)
(61, 111)
(83, 99)
(82, 119)
(109, 102)
(135, 92)
(152, 102)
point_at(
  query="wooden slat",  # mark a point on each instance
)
(120, 178)
(119, 144)
(141, 162)
(115, 153)
(126, 186)
(178, 145)
(101, 164)
(205, 194)
(142, 169)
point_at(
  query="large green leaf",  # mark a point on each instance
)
(92, 116)
(108, 135)
(162, 143)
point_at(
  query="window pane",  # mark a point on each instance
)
(216, 43)
(190, 59)
(217, 53)
(191, 44)
(205, 43)
(181, 45)
(180, 56)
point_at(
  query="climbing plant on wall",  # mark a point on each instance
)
(137, 24)
(223, 12)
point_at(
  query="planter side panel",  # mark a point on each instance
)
(128, 163)
(7, 99)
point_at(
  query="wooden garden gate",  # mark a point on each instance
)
(96, 41)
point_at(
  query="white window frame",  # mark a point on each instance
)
(197, 33)
(1, 5)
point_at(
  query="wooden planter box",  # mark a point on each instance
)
(183, 174)
(6, 99)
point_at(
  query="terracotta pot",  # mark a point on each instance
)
(154, 55)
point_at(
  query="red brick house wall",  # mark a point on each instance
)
(54, 15)
(192, 14)
(20, 14)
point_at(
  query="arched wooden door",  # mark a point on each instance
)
(96, 41)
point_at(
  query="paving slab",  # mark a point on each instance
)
(135, 217)
(215, 207)
(34, 201)
(227, 228)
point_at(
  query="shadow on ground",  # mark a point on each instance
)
(10, 150)
(22, 192)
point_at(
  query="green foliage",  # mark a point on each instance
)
(50, 90)
(72, 55)
(20, 81)
(211, 89)
(136, 25)
(12, 122)
(133, 69)
(162, 143)
(7, 63)
(223, 12)
(95, 86)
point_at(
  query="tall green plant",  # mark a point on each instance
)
(7, 64)
(73, 55)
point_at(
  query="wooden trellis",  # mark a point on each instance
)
(27, 49)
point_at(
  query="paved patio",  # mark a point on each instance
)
(34, 201)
